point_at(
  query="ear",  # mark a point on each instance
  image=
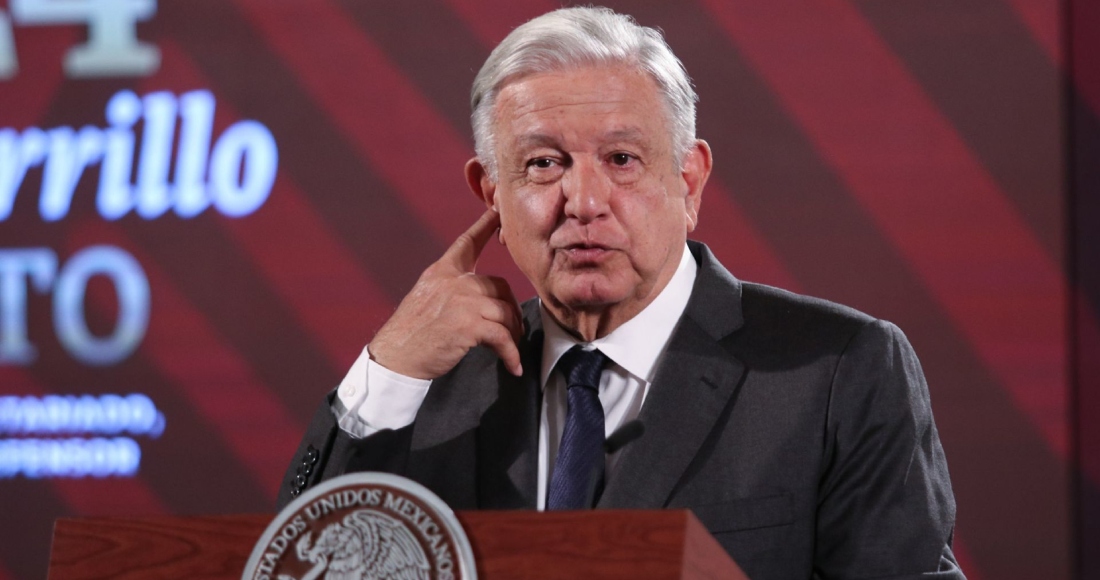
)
(695, 172)
(477, 177)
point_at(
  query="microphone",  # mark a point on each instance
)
(625, 434)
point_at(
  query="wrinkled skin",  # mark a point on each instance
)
(591, 204)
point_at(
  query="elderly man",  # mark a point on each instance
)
(799, 431)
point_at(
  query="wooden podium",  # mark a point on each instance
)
(508, 545)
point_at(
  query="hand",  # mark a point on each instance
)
(451, 310)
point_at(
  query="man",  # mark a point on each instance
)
(799, 431)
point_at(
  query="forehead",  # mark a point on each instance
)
(583, 103)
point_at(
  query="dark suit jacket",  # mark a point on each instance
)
(798, 431)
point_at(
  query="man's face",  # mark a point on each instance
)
(594, 208)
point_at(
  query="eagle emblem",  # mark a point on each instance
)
(366, 545)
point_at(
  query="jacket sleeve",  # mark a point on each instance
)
(885, 505)
(326, 451)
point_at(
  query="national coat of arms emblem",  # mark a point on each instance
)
(364, 526)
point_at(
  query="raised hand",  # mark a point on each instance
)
(450, 310)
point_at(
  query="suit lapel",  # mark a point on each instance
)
(696, 381)
(508, 435)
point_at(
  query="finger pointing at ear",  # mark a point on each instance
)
(450, 310)
(465, 250)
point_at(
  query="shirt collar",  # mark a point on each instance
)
(638, 343)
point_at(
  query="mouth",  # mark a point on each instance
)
(585, 253)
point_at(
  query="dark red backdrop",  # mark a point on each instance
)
(906, 157)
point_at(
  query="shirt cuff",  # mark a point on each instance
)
(393, 402)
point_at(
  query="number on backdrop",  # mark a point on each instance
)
(8, 65)
(113, 48)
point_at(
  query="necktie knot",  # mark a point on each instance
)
(582, 368)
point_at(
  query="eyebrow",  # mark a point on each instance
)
(628, 134)
(536, 140)
(631, 134)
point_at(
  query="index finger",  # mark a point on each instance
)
(464, 252)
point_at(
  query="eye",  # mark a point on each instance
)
(541, 163)
(544, 169)
(621, 159)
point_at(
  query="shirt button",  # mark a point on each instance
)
(349, 391)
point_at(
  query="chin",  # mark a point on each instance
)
(589, 294)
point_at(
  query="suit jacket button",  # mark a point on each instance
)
(311, 456)
(300, 481)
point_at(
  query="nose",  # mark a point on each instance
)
(587, 192)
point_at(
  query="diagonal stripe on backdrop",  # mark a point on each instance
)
(737, 242)
(492, 20)
(998, 90)
(328, 293)
(944, 214)
(1044, 19)
(382, 114)
(432, 47)
(372, 222)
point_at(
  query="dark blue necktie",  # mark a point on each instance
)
(580, 463)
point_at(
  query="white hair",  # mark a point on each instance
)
(577, 37)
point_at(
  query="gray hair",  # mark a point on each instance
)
(576, 37)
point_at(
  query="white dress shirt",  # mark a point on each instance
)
(635, 350)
